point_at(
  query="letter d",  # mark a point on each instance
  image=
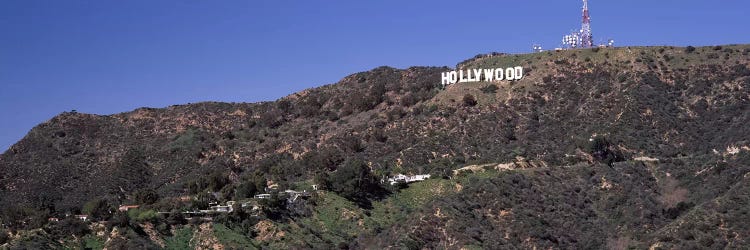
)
(519, 73)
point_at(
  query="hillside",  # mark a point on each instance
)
(611, 147)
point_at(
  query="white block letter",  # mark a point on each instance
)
(488, 74)
(519, 73)
(510, 74)
(477, 74)
(499, 74)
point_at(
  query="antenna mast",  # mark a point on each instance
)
(587, 40)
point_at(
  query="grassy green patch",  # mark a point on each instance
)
(401, 204)
(93, 242)
(337, 217)
(232, 239)
(180, 239)
(186, 140)
(141, 215)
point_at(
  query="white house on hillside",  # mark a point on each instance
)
(407, 178)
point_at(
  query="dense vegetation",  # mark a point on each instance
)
(617, 148)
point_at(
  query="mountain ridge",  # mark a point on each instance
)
(599, 107)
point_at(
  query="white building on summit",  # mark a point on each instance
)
(400, 178)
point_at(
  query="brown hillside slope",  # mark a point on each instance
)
(655, 101)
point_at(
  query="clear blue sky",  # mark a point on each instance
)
(108, 56)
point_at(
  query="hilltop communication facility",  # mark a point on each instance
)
(582, 38)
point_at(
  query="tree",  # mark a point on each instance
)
(131, 240)
(16, 217)
(120, 219)
(72, 226)
(272, 118)
(133, 171)
(489, 89)
(323, 158)
(377, 92)
(469, 100)
(274, 207)
(284, 105)
(323, 181)
(143, 215)
(689, 49)
(98, 209)
(603, 151)
(409, 99)
(4, 237)
(352, 143)
(200, 201)
(245, 190)
(146, 196)
(674, 212)
(354, 181)
(176, 218)
(217, 180)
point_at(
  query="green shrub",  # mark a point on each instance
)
(98, 209)
(489, 89)
(119, 219)
(604, 152)
(354, 181)
(408, 100)
(180, 239)
(93, 242)
(272, 118)
(469, 100)
(622, 78)
(176, 218)
(245, 190)
(142, 215)
(70, 226)
(674, 212)
(146, 196)
(274, 207)
(230, 238)
(4, 237)
(217, 180)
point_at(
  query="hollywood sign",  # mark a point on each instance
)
(482, 75)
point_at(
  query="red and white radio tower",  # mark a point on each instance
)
(587, 40)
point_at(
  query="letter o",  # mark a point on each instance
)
(453, 77)
(499, 74)
(510, 74)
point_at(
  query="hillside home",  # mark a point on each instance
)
(262, 196)
(82, 217)
(221, 209)
(252, 204)
(125, 208)
(400, 178)
(293, 195)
